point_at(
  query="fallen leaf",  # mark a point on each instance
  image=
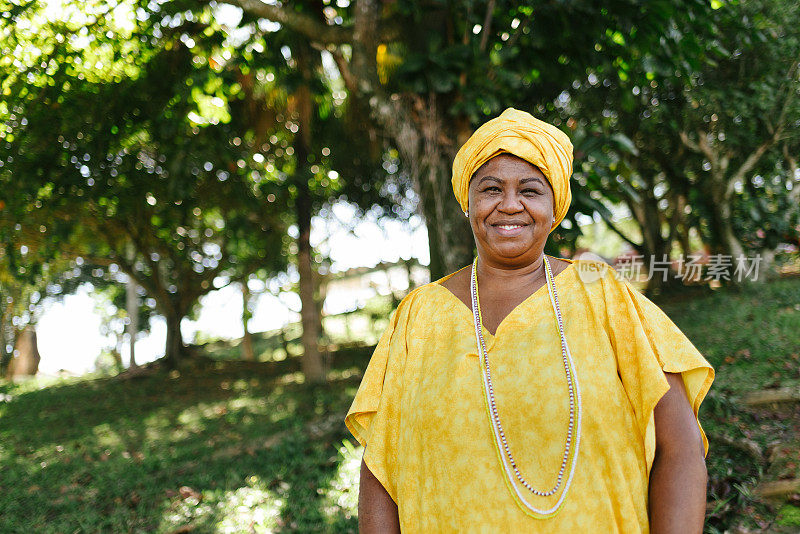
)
(187, 492)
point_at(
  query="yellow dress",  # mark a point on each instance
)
(420, 413)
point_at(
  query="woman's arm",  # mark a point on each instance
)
(678, 476)
(377, 512)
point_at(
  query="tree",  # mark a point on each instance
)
(455, 64)
(743, 112)
(31, 278)
(26, 284)
(290, 105)
(21, 295)
(734, 100)
(126, 145)
(111, 305)
(196, 157)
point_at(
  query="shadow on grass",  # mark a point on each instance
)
(234, 447)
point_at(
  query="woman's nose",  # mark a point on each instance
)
(510, 203)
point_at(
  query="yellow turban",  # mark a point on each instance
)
(518, 133)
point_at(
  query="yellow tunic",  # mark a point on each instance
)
(420, 411)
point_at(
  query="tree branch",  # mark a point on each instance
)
(707, 149)
(791, 161)
(777, 132)
(299, 22)
(613, 228)
(751, 160)
(487, 25)
(520, 29)
(791, 91)
(350, 81)
(691, 145)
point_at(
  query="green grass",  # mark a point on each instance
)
(789, 516)
(218, 449)
(247, 447)
(752, 338)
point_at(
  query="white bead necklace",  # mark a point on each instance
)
(574, 430)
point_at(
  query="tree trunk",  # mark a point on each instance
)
(766, 268)
(175, 348)
(654, 245)
(26, 355)
(312, 365)
(426, 136)
(428, 142)
(117, 352)
(132, 306)
(5, 341)
(724, 241)
(310, 319)
(450, 238)
(730, 242)
(682, 233)
(247, 339)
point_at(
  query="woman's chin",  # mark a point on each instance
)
(511, 250)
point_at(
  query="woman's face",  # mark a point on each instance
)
(510, 210)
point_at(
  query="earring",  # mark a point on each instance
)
(466, 214)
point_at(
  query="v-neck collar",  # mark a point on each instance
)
(491, 337)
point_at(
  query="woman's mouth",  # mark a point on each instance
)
(509, 230)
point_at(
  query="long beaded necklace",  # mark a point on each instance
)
(510, 467)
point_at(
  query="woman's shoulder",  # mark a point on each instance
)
(421, 295)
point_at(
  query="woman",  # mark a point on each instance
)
(516, 395)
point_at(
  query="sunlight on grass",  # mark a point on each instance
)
(251, 508)
(26, 384)
(106, 436)
(342, 495)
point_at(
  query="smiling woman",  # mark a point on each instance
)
(512, 208)
(543, 402)
(511, 214)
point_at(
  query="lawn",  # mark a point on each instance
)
(230, 446)
(752, 338)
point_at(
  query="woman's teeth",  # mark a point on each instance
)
(509, 226)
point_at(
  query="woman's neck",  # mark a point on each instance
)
(510, 276)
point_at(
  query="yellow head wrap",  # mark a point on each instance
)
(518, 133)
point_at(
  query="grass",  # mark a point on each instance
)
(750, 335)
(231, 446)
(752, 338)
(227, 448)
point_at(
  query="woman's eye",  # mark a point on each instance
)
(530, 191)
(491, 188)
